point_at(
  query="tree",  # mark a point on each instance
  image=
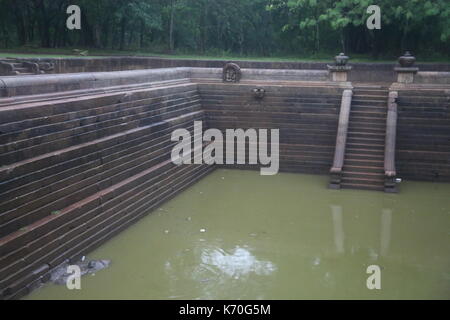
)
(243, 27)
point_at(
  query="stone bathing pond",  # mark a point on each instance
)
(85, 154)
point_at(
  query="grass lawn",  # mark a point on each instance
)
(67, 53)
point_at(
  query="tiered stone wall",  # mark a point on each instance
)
(423, 133)
(76, 171)
(306, 115)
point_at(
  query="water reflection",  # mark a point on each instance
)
(339, 234)
(211, 267)
(386, 222)
(240, 262)
(336, 213)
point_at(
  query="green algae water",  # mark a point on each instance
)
(238, 235)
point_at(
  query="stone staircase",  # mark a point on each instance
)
(364, 154)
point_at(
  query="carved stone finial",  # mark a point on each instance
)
(407, 60)
(231, 73)
(339, 71)
(341, 59)
(407, 70)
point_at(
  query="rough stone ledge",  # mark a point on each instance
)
(57, 83)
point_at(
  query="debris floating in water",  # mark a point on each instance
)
(316, 261)
(166, 231)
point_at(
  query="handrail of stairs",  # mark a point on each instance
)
(390, 173)
(341, 140)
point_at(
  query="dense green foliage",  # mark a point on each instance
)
(242, 27)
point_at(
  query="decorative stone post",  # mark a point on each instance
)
(390, 174)
(339, 71)
(341, 140)
(406, 71)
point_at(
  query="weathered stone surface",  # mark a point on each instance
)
(365, 72)
(406, 74)
(429, 77)
(81, 165)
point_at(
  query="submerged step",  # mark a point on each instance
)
(377, 181)
(363, 162)
(364, 175)
(365, 151)
(363, 169)
(361, 186)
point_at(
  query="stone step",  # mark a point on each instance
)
(364, 151)
(60, 104)
(43, 199)
(363, 146)
(51, 159)
(369, 92)
(368, 141)
(363, 169)
(364, 176)
(367, 114)
(366, 134)
(363, 162)
(379, 128)
(273, 99)
(109, 124)
(111, 153)
(366, 102)
(31, 128)
(374, 96)
(361, 186)
(36, 183)
(51, 111)
(32, 211)
(359, 119)
(368, 108)
(78, 139)
(376, 180)
(378, 156)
